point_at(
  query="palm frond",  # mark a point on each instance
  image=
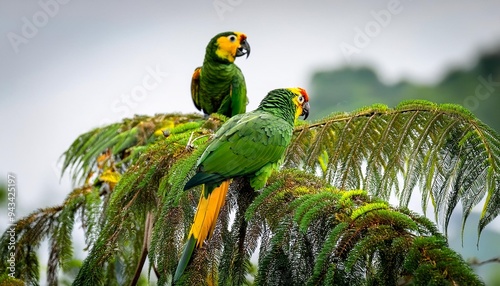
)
(442, 150)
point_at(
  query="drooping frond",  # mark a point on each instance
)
(122, 141)
(319, 235)
(52, 223)
(138, 195)
(241, 241)
(132, 207)
(443, 150)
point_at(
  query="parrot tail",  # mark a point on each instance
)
(204, 223)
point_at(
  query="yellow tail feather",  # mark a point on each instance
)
(208, 212)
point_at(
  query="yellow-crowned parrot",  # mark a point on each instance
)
(218, 86)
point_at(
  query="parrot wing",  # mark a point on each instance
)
(245, 144)
(235, 102)
(195, 88)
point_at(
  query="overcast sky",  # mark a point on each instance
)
(69, 66)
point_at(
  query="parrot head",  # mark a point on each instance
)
(228, 46)
(301, 101)
(287, 103)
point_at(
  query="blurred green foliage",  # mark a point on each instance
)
(3, 192)
(468, 248)
(477, 89)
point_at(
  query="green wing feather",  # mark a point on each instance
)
(246, 144)
(185, 258)
(239, 98)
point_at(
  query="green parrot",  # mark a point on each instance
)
(218, 86)
(249, 145)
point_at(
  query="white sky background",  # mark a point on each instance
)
(72, 73)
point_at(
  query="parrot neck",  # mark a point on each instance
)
(280, 107)
(211, 56)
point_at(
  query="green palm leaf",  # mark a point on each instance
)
(442, 150)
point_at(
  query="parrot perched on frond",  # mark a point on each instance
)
(249, 145)
(218, 86)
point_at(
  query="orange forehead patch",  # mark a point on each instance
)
(240, 35)
(299, 90)
(304, 93)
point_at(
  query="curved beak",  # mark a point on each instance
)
(305, 110)
(243, 49)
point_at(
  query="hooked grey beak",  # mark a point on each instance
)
(243, 49)
(305, 110)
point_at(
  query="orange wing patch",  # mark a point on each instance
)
(195, 88)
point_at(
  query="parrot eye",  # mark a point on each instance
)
(301, 99)
(232, 38)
